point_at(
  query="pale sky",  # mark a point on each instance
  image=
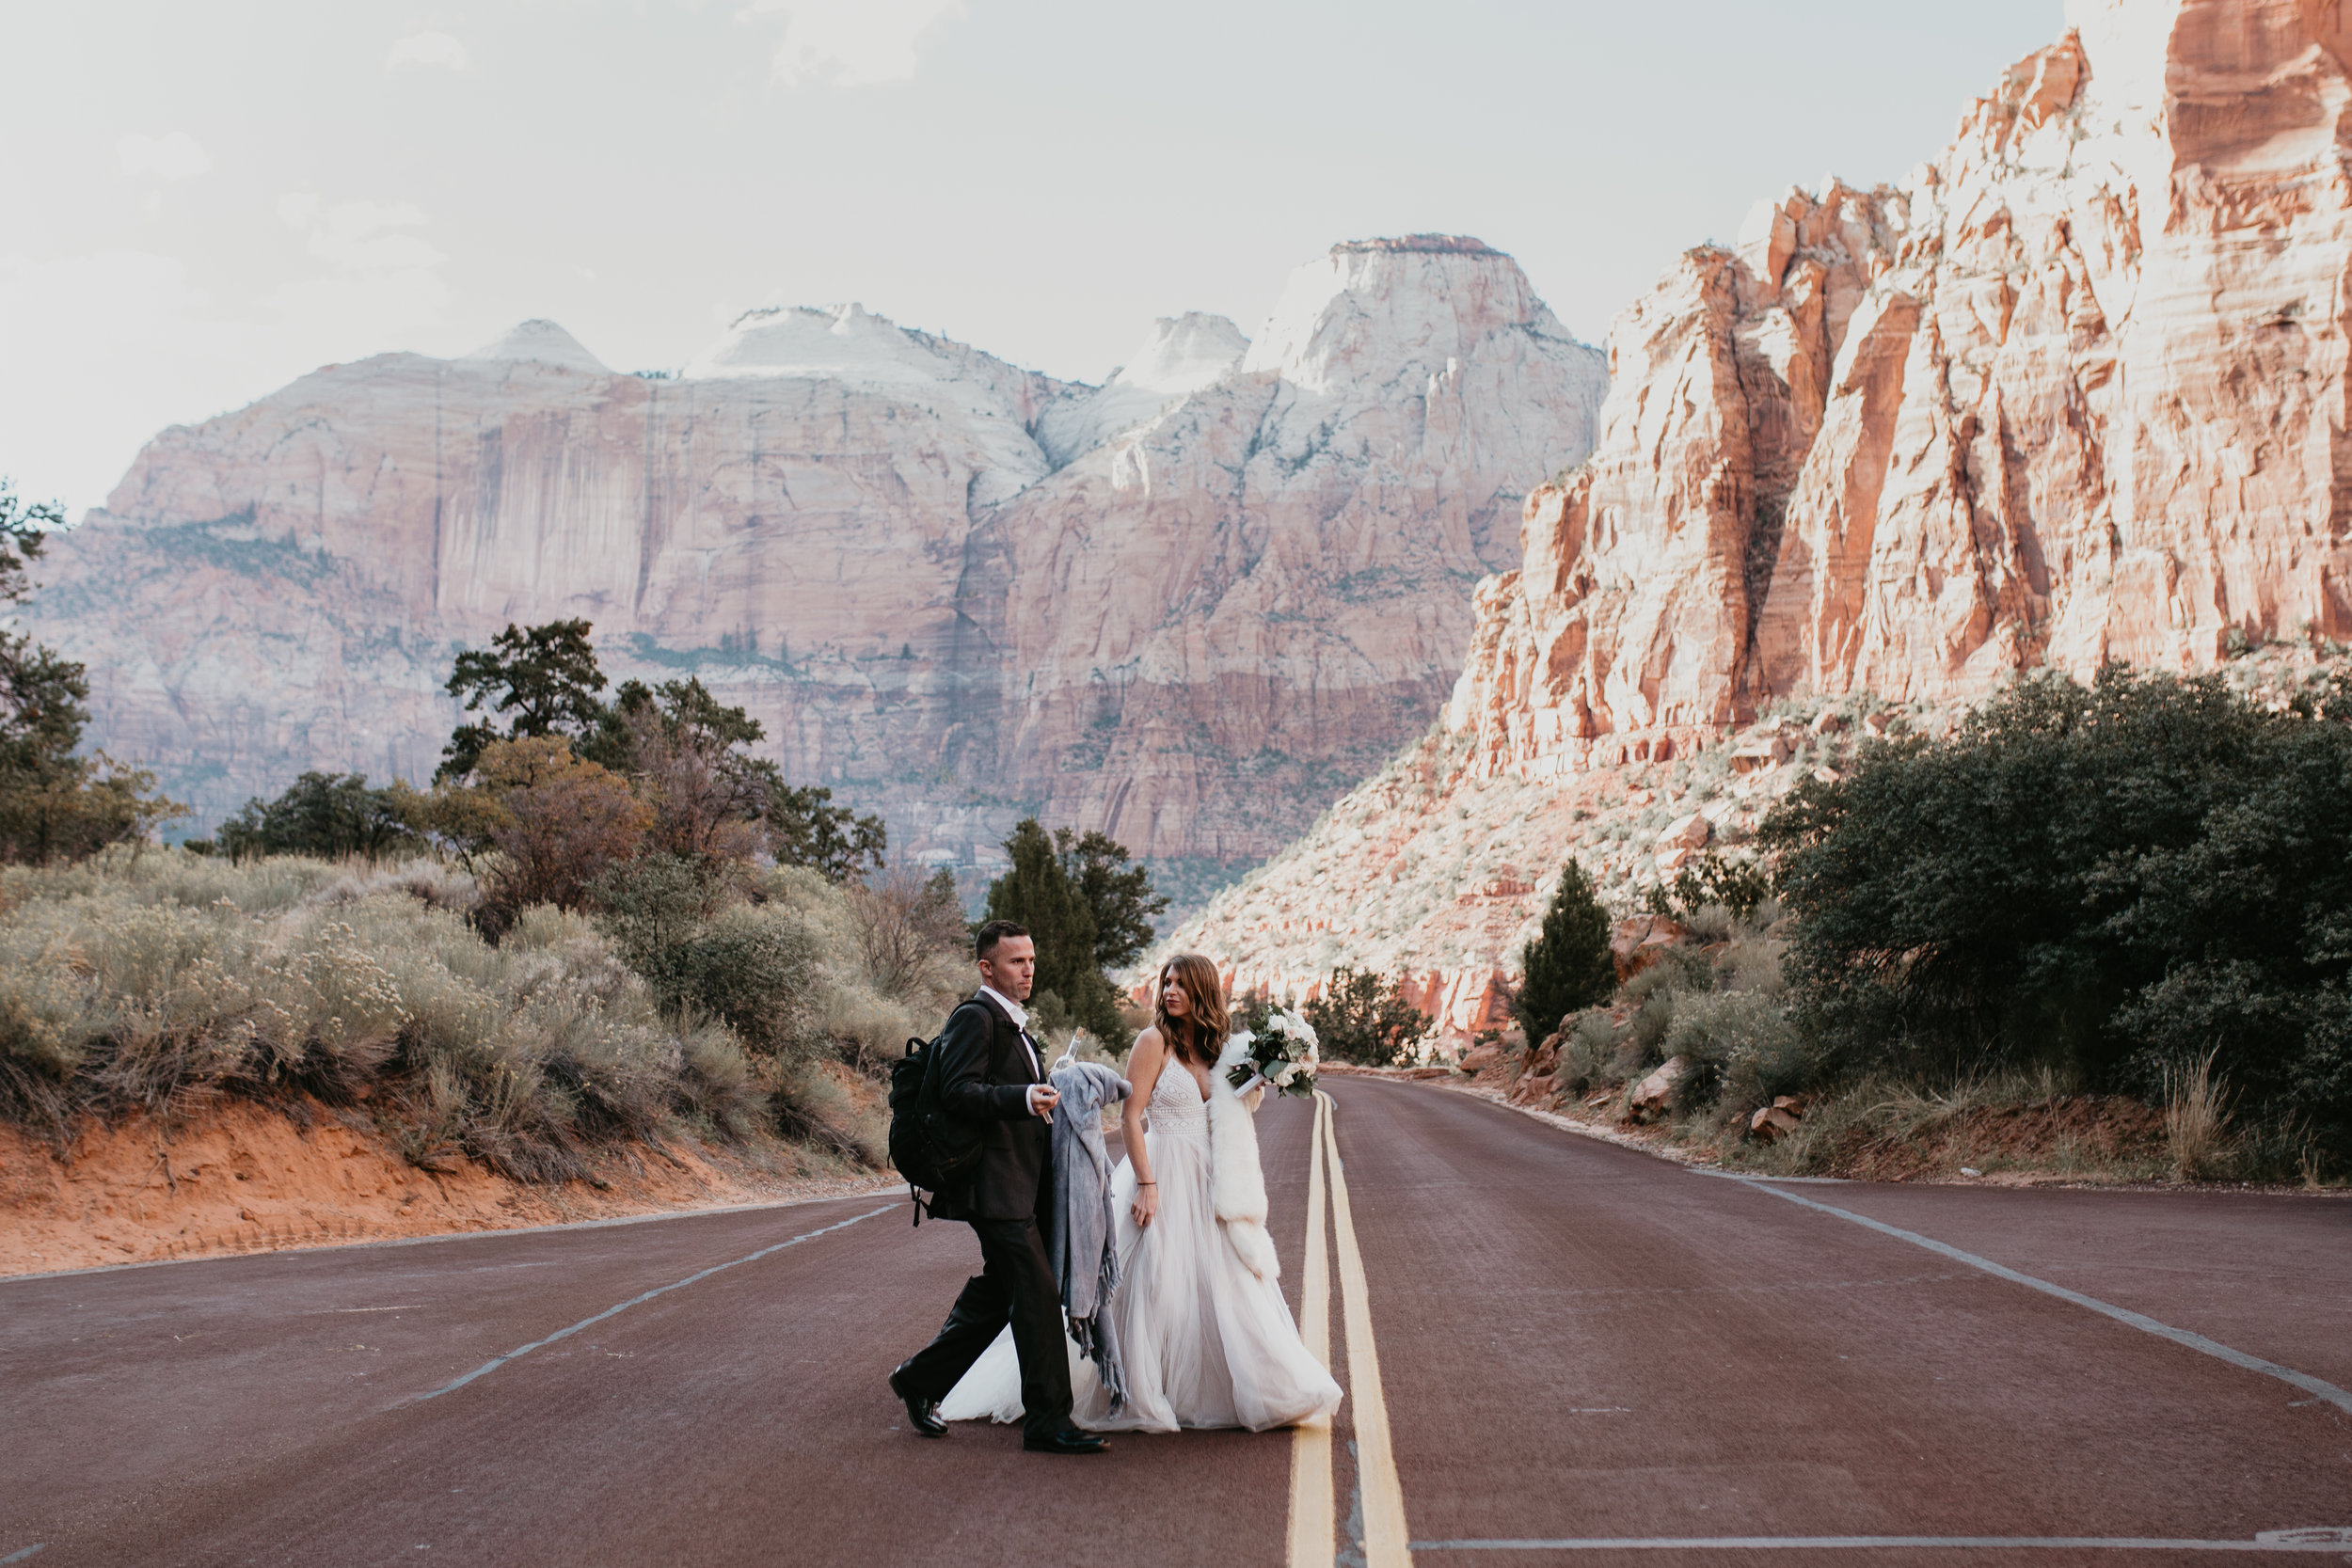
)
(201, 200)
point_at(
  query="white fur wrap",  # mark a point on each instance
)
(1237, 1186)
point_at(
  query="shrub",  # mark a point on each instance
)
(562, 822)
(158, 983)
(1363, 1017)
(326, 815)
(905, 926)
(1568, 965)
(752, 966)
(2118, 879)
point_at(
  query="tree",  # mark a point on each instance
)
(1040, 892)
(326, 815)
(55, 805)
(1568, 966)
(565, 822)
(544, 679)
(805, 827)
(1121, 901)
(1363, 1017)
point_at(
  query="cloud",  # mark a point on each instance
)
(350, 234)
(173, 155)
(852, 43)
(433, 49)
(126, 341)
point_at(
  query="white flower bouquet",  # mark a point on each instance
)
(1283, 1053)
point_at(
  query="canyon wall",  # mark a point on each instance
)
(2075, 390)
(1190, 606)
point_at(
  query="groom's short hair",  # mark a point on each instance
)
(984, 941)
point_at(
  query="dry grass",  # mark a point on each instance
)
(161, 982)
(2195, 1119)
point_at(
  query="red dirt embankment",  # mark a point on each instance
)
(246, 1177)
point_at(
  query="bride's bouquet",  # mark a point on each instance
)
(1282, 1053)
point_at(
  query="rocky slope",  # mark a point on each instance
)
(2075, 390)
(1190, 606)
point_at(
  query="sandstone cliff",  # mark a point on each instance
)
(2075, 390)
(1191, 605)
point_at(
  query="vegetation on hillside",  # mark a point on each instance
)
(2136, 888)
(605, 922)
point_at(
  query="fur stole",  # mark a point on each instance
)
(1237, 1186)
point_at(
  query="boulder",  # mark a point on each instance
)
(1651, 1095)
(1771, 1122)
(1636, 943)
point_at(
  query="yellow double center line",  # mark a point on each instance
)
(1314, 1524)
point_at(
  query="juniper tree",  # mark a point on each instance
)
(1568, 966)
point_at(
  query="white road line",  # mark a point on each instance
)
(1314, 1511)
(19, 1557)
(2313, 1541)
(1387, 1543)
(2140, 1320)
(497, 1361)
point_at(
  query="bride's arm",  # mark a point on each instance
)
(1143, 1071)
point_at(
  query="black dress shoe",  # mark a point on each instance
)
(922, 1414)
(1067, 1440)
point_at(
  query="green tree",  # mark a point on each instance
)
(329, 815)
(1363, 1017)
(1117, 896)
(1567, 964)
(1042, 890)
(55, 805)
(805, 827)
(543, 680)
(2113, 879)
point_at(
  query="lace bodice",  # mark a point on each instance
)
(1176, 1105)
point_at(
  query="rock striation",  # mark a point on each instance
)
(1190, 606)
(2075, 390)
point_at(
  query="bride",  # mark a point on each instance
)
(1204, 1335)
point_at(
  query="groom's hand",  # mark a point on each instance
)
(1043, 1098)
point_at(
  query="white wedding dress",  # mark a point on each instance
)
(1206, 1339)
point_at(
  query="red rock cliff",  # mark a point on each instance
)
(2075, 390)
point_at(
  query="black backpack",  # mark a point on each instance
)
(930, 1151)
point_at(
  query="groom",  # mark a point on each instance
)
(992, 1079)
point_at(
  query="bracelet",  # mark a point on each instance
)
(1147, 1183)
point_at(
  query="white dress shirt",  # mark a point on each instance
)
(1020, 1015)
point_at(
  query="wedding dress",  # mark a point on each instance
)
(1206, 1337)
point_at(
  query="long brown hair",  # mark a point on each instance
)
(1199, 1035)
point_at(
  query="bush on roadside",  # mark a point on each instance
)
(2114, 881)
(1363, 1017)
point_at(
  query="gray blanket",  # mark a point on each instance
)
(1083, 1248)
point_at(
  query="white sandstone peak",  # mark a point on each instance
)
(1369, 306)
(1179, 357)
(852, 348)
(1183, 353)
(542, 340)
(833, 343)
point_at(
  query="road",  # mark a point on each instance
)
(1584, 1355)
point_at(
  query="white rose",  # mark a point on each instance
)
(1282, 1077)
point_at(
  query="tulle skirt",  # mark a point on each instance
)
(1205, 1342)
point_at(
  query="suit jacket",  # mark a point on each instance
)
(984, 1079)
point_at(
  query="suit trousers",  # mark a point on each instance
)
(1014, 1286)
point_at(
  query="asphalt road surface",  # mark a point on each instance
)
(1583, 1354)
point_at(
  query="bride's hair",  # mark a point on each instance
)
(1199, 1035)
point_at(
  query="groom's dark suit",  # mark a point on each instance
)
(985, 1068)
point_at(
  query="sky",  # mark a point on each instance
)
(202, 200)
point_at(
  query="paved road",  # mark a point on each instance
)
(1585, 1355)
